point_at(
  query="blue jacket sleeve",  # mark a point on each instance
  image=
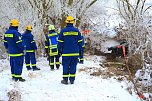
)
(5, 43)
(33, 43)
(81, 45)
(80, 40)
(60, 41)
(19, 42)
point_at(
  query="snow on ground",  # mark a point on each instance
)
(44, 85)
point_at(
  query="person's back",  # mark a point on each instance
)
(13, 42)
(70, 36)
(28, 41)
(11, 35)
(51, 49)
(70, 46)
(30, 47)
(52, 42)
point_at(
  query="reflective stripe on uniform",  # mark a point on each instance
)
(27, 64)
(80, 40)
(72, 75)
(13, 75)
(33, 64)
(73, 54)
(17, 76)
(53, 34)
(30, 50)
(66, 75)
(8, 35)
(46, 46)
(70, 33)
(19, 41)
(81, 59)
(16, 54)
(4, 41)
(51, 63)
(54, 53)
(53, 46)
(60, 41)
(57, 63)
(32, 41)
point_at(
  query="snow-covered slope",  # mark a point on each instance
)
(44, 85)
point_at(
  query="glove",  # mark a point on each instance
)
(59, 53)
(81, 61)
(48, 58)
(46, 51)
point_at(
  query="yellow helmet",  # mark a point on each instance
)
(51, 27)
(70, 19)
(29, 28)
(14, 23)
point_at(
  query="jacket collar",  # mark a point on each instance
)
(27, 31)
(69, 25)
(14, 28)
(51, 31)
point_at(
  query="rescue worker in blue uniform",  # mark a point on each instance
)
(30, 47)
(69, 45)
(13, 43)
(51, 47)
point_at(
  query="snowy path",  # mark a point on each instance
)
(44, 85)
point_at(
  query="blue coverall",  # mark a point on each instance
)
(13, 43)
(30, 47)
(70, 45)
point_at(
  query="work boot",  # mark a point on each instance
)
(57, 66)
(13, 78)
(52, 67)
(35, 69)
(72, 82)
(19, 79)
(29, 68)
(64, 82)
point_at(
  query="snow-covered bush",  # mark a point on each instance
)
(138, 27)
(40, 13)
(138, 32)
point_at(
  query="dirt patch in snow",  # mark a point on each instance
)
(116, 67)
(14, 95)
(106, 72)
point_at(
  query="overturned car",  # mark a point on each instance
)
(119, 50)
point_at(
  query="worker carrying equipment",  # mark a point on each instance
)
(30, 47)
(51, 47)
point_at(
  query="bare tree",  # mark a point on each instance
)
(138, 27)
(40, 13)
